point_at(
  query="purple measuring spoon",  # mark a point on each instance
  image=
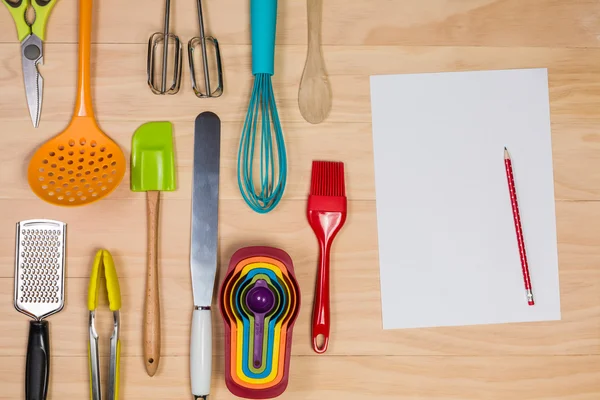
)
(259, 300)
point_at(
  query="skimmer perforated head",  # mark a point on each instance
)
(76, 171)
(40, 267)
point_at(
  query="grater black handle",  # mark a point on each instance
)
(37, 368)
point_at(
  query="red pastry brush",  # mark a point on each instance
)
(326, 214)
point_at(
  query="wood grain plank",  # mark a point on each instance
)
(356, 315)
(467, 23)
(576, 149)
(120, 90)
(574, 91)
(351, 378)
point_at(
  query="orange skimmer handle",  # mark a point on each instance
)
(83, 105)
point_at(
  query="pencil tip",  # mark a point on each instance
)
(506, 155)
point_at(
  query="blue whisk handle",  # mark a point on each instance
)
(263, 21)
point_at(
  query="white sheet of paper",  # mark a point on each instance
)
(447, 244)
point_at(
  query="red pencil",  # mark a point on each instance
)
(518, 228)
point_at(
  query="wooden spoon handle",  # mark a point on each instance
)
(314, 93)
(152, 306)
(315, 19)
(83, 105)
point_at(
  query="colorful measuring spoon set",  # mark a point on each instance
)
(259, 301)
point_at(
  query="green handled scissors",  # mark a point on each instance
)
(31, 36)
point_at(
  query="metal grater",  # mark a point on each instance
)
(40, 267)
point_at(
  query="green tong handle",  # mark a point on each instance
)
(18, 10)
(263, 21)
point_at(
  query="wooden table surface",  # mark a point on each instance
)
(537, 361)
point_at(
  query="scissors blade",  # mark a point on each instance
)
(32, 56)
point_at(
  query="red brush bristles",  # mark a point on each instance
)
(327, 179)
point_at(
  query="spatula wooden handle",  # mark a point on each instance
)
(152, 304)
(83, 105)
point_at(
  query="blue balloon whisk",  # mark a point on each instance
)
(264, 194)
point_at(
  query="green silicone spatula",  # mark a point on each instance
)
(152, 171)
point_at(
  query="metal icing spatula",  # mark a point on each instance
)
(39, 293)
(203, 251)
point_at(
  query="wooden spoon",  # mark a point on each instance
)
(82, 164)
(314, 96)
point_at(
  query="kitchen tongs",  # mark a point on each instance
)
(104, 260)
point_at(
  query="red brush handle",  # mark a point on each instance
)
(326, 225)
(320, 319)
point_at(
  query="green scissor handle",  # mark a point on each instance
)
(42, 12)
(18, 9)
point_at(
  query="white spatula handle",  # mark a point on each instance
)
(201, 353)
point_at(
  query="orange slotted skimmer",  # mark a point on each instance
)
(81, 164)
